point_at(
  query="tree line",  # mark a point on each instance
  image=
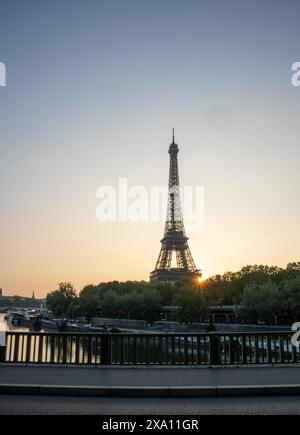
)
(258, 292)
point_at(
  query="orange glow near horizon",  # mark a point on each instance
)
(199, 279)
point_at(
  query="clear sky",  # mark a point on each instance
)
(93, 90)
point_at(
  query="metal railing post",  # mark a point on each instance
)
(2, 353)
(106, 349)
(244, 350)
(3, 342)
(214, 349)
(231, 350)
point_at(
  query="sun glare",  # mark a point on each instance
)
(201, 278)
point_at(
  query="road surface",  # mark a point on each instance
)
(146, 406)
(149, 376)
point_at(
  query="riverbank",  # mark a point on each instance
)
(167, 326)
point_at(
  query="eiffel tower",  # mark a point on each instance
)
(174, 240)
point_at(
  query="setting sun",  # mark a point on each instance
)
(199, 279)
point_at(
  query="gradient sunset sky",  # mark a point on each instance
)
(93, 90)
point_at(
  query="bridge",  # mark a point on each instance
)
(160, 364)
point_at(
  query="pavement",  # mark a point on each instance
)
(57, 405)
(150, 381)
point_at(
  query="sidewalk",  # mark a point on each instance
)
(150, 381)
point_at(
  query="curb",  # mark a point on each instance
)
(106, 391)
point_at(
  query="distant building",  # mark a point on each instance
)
(33, 296)
(1, 293)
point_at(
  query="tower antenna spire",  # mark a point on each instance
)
(173, 134)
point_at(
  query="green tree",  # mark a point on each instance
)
(167, 292)
(291, 294)
(192, 305)
(110, 303)
(261, 301)
(59, 300)
(150, 304)
(74, 310)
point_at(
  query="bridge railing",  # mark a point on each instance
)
(142, 349)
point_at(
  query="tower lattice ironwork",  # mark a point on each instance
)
(175, 241)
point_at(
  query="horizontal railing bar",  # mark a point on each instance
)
(167, 334)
